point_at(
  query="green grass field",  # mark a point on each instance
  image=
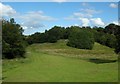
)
(56, 62)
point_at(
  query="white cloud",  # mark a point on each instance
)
(97, 22)
(85, 21)
(86, 13)
(59, 1)
(6, 10)
(34, 19)
(115, 22)
(83, 13)
(113, 5)
(79, 14)
(86, 17)
(90, 11)
(76, 25)
(84, 4)
(24, 27)
(35, 16)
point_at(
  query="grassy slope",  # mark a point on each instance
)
(59, 63)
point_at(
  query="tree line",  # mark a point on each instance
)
(14, 42)
(79, 35)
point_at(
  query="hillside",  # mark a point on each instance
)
(56, 62)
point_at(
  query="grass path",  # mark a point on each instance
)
(41, 65)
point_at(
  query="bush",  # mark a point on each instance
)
(81, 39)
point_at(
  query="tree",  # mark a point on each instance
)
(111, 29)
(81, 39)
(111, 41)
(66, 33)
(117, 48)
(55, 34)
(12, 42)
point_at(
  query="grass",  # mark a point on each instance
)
(56, 62)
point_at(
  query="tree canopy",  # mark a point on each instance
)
(12, 39)
(81, 39)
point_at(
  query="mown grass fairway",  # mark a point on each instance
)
(59, 63)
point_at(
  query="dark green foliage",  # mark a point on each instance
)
(97, 36)
(81, 39)
(51, 36)
(12, 42)
(68, 30)
(34, 38)
(111, 41)
(106, 36)
(111, 28)
(55, 34)
(29, 39)
(98, 29)
(108, 40)
(117, 48)
(66, 33)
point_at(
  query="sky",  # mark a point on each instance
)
(41, 16)
(60, 0)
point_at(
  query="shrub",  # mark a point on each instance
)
(81, 39)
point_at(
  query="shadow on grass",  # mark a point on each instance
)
(4, 78)
(101, 61)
